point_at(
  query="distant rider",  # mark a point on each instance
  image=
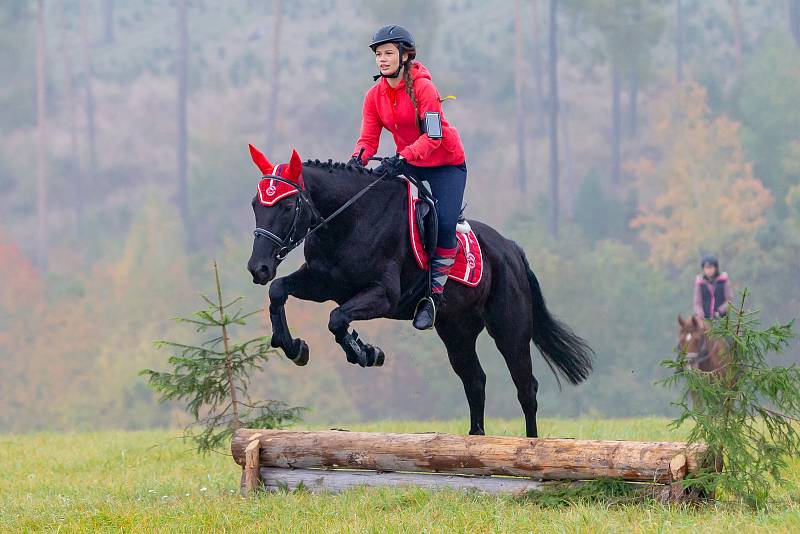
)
(712, 290)
(405, 102)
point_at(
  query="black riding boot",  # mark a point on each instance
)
(425, 316)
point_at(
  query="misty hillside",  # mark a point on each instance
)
(678, 134)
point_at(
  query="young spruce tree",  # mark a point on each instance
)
(749, 417)
(213, 376)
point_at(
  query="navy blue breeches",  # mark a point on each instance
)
(447, 185)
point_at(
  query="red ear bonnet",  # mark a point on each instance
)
(261, 161)
(295, 169)
(270, 191)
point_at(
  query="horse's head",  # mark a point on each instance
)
(692, 341)
(283, 214)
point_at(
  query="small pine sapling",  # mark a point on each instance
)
(213, 377)
(747, 414)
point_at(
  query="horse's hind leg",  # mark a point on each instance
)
(459, 339)
(511, 328)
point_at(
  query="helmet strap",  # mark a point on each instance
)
(394, 75)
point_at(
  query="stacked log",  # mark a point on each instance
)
(337, 460)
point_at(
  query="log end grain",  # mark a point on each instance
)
(251, 479)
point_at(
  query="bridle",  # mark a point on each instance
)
(290, 242)
(703, 352)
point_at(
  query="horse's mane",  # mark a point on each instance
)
(337, 166)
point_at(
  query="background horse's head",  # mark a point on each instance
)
(692, 341)
(281, 219)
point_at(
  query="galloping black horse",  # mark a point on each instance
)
(362, 260)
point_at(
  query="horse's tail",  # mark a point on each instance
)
(563, 351)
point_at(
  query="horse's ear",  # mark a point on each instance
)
(681, 321)
(261, 161)
(695, 322)
(295, 167)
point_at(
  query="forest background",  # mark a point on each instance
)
(124, 171)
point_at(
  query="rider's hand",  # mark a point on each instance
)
(392, 166)
(355, 160)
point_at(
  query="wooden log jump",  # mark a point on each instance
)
(337, 460)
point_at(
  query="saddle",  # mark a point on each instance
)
(424, 212)
(468, 266)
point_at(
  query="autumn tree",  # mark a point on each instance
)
(628, 30)
(552, 70)
(275, 77)
(91, 128)
(767, 107)
(519, 108)
(41, 145)
(680, 39)
(699, 194)
(73, 167)
(21, 302)
(181, 111)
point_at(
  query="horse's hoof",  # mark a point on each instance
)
(371, 356)
(302, 353)
(379, 357)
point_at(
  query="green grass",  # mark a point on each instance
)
(151, 482)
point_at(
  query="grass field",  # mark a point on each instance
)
(152, 482)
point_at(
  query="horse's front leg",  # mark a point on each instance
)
(372, 303)
(302, 284)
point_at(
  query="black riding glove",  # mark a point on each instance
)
(392, 166)
(355, 160)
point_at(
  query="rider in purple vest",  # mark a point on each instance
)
(712, 290)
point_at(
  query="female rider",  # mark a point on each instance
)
(403, 101)
(712, 290)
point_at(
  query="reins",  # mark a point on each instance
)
(288, 243)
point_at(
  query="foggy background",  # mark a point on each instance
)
(124, 172)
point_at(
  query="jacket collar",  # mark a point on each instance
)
(385, 87)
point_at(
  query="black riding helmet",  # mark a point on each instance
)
(399, 36)
(708, 259)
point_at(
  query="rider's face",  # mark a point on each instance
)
(709, 270)
(387, 57)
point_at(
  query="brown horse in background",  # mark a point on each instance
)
(702, 352)
(706, 354)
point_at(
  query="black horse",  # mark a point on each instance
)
(362, 260)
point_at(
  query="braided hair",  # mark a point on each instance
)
(412, 52)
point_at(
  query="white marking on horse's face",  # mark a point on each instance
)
(688, 337)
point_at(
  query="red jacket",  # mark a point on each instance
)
(385, 107)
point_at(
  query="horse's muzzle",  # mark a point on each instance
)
(262, 273)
